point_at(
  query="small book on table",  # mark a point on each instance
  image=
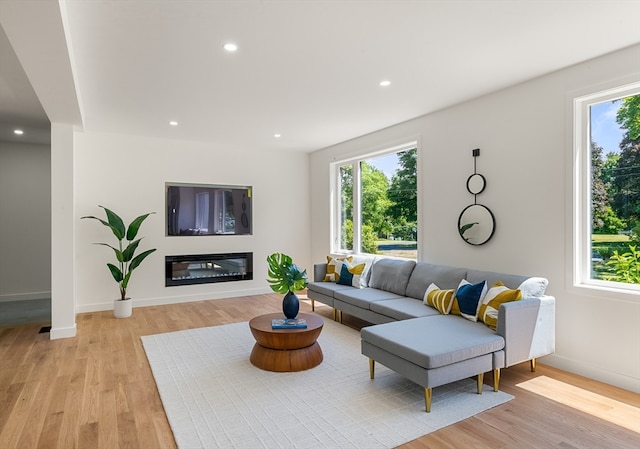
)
(289, 323)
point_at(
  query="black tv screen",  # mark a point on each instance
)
(202, 209)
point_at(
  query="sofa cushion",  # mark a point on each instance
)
(467, 299)
(327, 288)
(334, 265)
(402, 308)
(490, 304)
(443, 340)
(425, 274)
(391, 275)
(363, 297)
(351, 275)
(441, 300)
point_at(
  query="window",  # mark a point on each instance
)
(225, 219)
(376, 204)
(607, 189)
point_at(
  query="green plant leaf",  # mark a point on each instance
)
(284, 275)
(115, 223)
(466, 227)
(135, 226)
(127, 254)
(125, 283)
(115, 272)
(138, 259)
(119, 255)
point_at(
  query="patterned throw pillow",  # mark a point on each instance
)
(334, 265)
(467, 298)
(490, 305)
(351, 275)
(442, 300)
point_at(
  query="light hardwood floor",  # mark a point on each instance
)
(97, 390)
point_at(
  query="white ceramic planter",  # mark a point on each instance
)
(122, 308)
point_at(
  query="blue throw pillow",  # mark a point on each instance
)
(468, 296)
(346, 277)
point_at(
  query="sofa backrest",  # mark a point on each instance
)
(510, 280)
(426, 273)
(391, 275)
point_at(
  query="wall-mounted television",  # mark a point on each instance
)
(208, 209)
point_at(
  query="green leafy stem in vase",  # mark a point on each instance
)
(284, 275)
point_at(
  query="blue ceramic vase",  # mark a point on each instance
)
(290, 305)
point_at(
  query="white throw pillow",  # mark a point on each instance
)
(533, 287)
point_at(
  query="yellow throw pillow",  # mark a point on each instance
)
(334, 265)
(490, 305)
(442, 300)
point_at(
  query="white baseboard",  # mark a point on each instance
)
(25, 296)
(100, 307)
(592, 372)
(62, 332)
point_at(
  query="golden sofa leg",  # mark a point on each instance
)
(533, 365)
(372, 368)
(313, 305)
(334, 314)
(427, 399)
(340, 316)
(496, 379)
(480, 382)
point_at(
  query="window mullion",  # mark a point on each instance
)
(357, 208)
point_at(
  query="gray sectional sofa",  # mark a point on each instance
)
(429, 347)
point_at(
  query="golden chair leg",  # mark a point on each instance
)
(480, 382)
(496, 379)
(372, 368)
(533, 365)
(427, 399)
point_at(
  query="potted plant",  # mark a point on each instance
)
(126, 259)
(286, 278)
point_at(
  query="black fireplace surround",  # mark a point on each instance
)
(208, 268)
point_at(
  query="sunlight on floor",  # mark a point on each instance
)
(602, 407)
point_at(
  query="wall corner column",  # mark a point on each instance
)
(63, 272)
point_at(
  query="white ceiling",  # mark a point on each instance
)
(306, 69)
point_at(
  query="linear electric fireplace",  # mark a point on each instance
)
(208, 268)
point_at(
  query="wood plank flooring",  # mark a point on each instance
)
(97, 390)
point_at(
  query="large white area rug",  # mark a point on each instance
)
(215, 398)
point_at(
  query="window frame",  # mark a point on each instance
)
(581, 234)
(354, 162)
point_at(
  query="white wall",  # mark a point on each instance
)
(25, 221)
(127, 174)
(524, 137)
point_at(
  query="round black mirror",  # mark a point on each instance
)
(476, 224)
(476, 184)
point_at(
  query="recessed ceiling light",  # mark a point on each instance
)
(230, 47)
(18, 132)
(173, 123)
(385, 83)
(276, 135)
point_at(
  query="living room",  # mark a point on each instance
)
(524, 131)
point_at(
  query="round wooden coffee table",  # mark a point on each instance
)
(285, 350)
